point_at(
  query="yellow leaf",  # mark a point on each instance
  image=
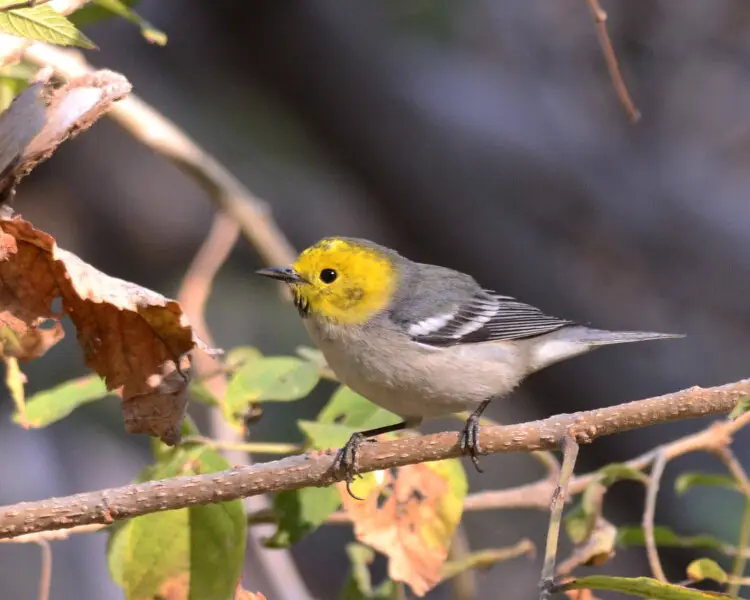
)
(409, 514)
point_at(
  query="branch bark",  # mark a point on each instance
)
(315, 469)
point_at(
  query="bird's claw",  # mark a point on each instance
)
(347, 461)
(470, 441)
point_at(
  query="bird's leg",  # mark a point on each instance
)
(347, 459)
(470, 435)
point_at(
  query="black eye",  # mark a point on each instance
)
(328, 275)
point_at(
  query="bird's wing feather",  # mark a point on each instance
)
(486, 317)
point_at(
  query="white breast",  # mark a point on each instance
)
(431, 382)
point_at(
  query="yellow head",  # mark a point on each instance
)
(340, 279)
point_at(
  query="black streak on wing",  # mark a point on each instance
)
(494, 318)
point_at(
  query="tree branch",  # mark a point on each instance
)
(315, 469)
(600, 21)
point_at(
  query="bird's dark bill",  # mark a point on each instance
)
(285, 274)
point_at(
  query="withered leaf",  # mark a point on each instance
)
(43, 116)
(136, 339)
(27, 341)
(409, 514)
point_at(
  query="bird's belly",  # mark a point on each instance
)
(430, 383)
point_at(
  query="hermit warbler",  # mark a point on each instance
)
(424, 341)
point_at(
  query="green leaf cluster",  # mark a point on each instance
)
(199, 550)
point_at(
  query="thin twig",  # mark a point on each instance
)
(570, 454)
(316, 469)
(600, 20)
(45, 573)
(729, 459)
(648, 516)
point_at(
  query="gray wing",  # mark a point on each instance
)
(487, 316)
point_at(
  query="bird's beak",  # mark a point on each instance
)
(285, 274)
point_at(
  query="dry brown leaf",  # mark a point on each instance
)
(26, 342)
(134, 338)
(409, 517)
(43, 116)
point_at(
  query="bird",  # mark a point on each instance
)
(424, 341)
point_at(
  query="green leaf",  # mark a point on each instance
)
(641, 587)
(218, 533)
(632, 535)
(122, 9)
(618, 472)
(149, 552)
(43, 24)
(270, 379)
(347, 407)
(301, 512)
(688, 480)
(49, 406)
(705, 568)
(359, 584)
(201, 546)
(740, 409)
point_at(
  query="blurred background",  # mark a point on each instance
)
(485, 136)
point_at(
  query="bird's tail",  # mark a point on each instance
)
(602, 337)
(574, 340)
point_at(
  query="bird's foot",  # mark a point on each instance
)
(469, 441)
(347, 461)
